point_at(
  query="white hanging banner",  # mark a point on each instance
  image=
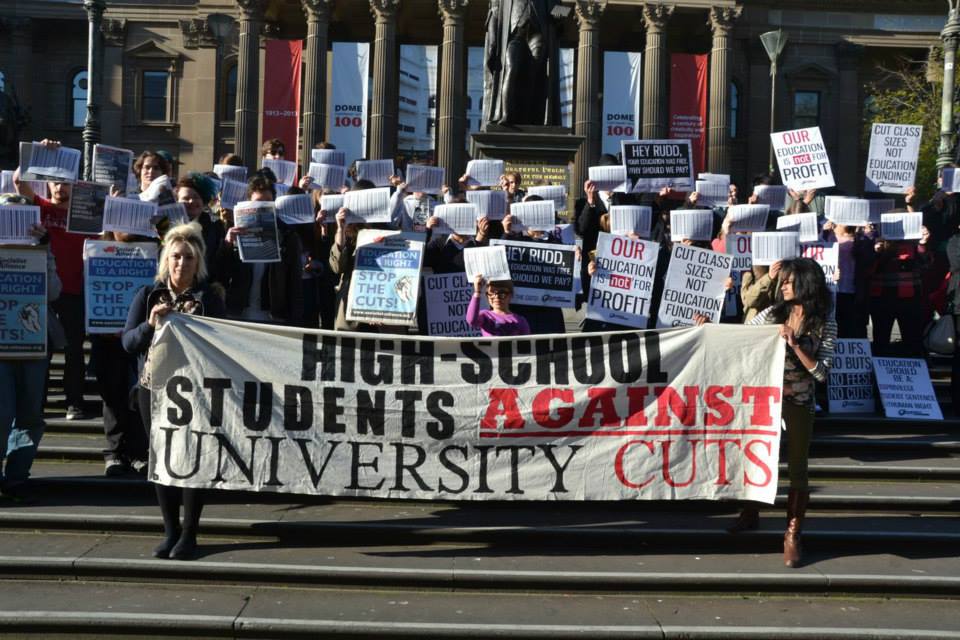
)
(622, 81)
(347, 128)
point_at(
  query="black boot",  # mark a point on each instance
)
(186, 547)
(748, 520)
(169, 500)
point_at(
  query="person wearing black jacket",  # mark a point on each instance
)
(180, 286)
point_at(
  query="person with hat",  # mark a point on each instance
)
(196, 191)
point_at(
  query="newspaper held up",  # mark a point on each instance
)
(260, 241)
(490, 262)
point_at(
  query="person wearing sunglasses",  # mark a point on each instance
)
(498, 320)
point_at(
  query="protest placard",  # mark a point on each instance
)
(892, 159)
(15, 223)
(847, 211)
(557, 193)
(284, 170)
(85, 214)
(111, 166)
(748, 217)
(385, 282)
(691, 224)
(804, 224)
(802, 158)
(112, 272)
(901, 226)
(367, 205)
(772, 195)
(378, 172)
(260, 240)
(740, 250)
(490, 204)
(905, 389)
(295, 209)
(130, 216)
(654, 164)
(425, 179)
(419, 210)
(329, 156)
(327, 176)
(484, 173)
(489, 262)
(609, 177)
(625, 219)
(459, 218)
(533, 216)
(446, 296)
(231, 172)
(850, 382)
(621, 289)
(48, 164)
(774, 246)
(712, 194)
(827, 255)
(695, 283)
(159, 192)
(610, 416)
(23, 302)
(233, 192)
(542, 273)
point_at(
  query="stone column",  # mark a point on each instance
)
(452, 107)
(656, 71)
(951, 38)
(246, 143)
(383, 107)
(848, 166)
(718, 133)
(315, 74)
(588, 87)
(114, 37)
(91, 126)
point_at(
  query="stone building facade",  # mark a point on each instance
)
(170, 83)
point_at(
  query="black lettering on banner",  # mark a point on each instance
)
(453, 468)
(297, 408)
(348, 359)
(383, 372)
(251, 418)
(370, 413)
(216, 386)
(652, 344)
(553, 356)
(626, 366)
(315, 476)
(588, 347)
(505, 352)
(515, 465)
(558, 486)
(274, 480)
(311, 356)
(401, 466)
(411, 359)
(332, 409)
(185, 415)
(481, 370)
(224, 444)
(356, 464)
(408, 411)
(168, 449)
(482, 470)
(441, 428)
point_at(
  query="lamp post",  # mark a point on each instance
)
(773, 44)
(220, 25)
(91, 125)
(950, 36)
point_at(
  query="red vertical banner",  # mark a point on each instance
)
(281, 94)
(688, 103)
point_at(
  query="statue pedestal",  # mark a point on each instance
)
(542, 155)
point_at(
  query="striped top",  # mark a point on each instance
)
(798, 381)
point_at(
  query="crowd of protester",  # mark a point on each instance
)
(877, 282)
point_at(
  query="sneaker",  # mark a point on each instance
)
(139, 467)
(75, 413)
(113, 468)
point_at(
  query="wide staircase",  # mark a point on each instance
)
(882, 544)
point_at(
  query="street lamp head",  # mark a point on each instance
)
(220, 25)
(774, 42)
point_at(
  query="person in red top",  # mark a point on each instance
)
(67, 248)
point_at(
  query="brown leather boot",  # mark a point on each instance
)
(748, 520)
(797, 501)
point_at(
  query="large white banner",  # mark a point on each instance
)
(622, 79)
(892, 161)
(348, 99)
(679, 414)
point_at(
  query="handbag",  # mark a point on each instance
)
(940, 335)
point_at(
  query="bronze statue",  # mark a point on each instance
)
(521, 65)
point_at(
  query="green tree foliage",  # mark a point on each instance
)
(908, 96)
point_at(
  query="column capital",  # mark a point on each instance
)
(722, 19)
(317, 9)
(384, 9)
(589, 12)
(250, 9)
(114, 31)
(94, 9)
(452, 9)
(197, 33)
(656, 16)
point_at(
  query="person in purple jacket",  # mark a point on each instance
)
(498, 320)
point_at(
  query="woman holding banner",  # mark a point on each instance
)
(180, 286)
(802, 308)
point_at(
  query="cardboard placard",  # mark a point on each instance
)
(694, 284)
(621, 289)
(386, 278)
(542, 273)
(112, 272)
(23, 302)
(446, 296)
(892, 159)
(654, 164)
(802, 158)
(850, 382)
(905, 389)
